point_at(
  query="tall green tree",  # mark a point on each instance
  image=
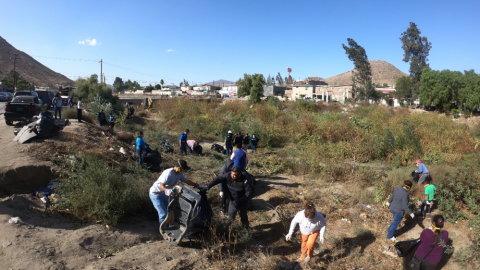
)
(244, 85)
(256, 91)
(279, 79)
(118, 84)
(469, 95)
(161, 82)
(416, 49)
(440, 88)
(403, 87)
(149, 88)
(89, 89)
(158, 86)
(362, 74)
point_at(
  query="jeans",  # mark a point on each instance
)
(425, 205)
(160, 202)
(397, 218)
(59, 110)
(139, 153)
(183, 148)
(241, 209)
(254, 147)
(229, 149)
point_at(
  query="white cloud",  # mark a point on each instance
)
(91, 42)
(170, 50)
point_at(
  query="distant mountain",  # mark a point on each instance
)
(382, 72)
(29, 68)
(220, 82)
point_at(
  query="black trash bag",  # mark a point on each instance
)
(167, 146)
(151, 159)
(404, 248)
(415, 176)
(224, 152)
(201, 216)
(218, 148)
(46, 126)
(198, 149)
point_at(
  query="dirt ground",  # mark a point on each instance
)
(42, 240)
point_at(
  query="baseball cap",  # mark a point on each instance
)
(229, 131)
(417, 161)
(183, 164)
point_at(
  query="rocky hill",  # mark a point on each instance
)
(29, 68)
(382, 72)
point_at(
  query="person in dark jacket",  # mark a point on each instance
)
(239, 189)
(102, 120)
(238, 139)
(431, 244)
(246, 142)
(229, 143)
(254, 142)
(399, 205)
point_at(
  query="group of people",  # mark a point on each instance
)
(102, 120)
(58, 103)
(242, 140)
(433, 239)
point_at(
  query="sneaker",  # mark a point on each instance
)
(299, 260)
(307, 259)
(393, 239)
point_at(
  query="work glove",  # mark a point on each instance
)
(288, 237)
(168, 192)
(221, 194)
(387, 204)
(412, 215)
(322, 239)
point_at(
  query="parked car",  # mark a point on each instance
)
(21, 108)
(10, 94)
(45, 96)
(25, 93)
(4, 96)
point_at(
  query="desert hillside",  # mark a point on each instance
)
(29, 68)
(382, 72)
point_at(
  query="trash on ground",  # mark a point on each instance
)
(14, 220)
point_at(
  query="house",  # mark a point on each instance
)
(273, 90)
(230, 90)
(322, 92)
(186, 88)
(171, 88)
(385, 90)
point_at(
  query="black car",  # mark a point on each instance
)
(21, 108)
(4, 96)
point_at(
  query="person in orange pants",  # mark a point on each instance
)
(312, 226)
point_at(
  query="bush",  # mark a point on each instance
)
(71, 113)
(99, 191)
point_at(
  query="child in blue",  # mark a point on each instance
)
(111, 120)
(183, 142)
(141, 146)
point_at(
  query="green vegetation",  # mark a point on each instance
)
(362, 77)
(416, 49)
(92, 91)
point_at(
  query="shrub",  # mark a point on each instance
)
(71, 113)
(99, 191)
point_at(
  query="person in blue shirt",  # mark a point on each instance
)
(111, 120)
(422, 169)
(183, 142)
(240, 158)
(57, 105)
(254, 142)
(70, 102)
(141, 146)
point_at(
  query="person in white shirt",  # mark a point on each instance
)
(312, 224)
(162, 188)
(79, 109)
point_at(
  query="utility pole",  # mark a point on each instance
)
(14, 73)
(101, 70)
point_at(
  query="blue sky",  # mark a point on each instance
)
(203, 41)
